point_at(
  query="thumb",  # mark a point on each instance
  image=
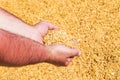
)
(42, 28)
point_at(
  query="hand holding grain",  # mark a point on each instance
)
(59, 54)
(22, 44)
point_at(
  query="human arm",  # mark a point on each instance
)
(17, 50)
(25, 42)
(11, 23)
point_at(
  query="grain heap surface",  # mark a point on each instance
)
(95, 24)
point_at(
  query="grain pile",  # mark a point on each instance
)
(95, 24)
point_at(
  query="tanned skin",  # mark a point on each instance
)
(22, 44)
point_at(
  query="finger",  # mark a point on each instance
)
(68, 61)
(61, 62)
(74, 52)
(42, 42)
(50, 26)
(43, 27)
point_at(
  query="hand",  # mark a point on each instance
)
(58, 54)
(61, 55)
(42, 29)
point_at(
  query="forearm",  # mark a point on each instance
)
(17, 50)
(14, 25)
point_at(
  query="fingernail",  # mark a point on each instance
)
(79, 53)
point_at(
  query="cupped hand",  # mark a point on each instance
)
(58, 54)
(61, 55)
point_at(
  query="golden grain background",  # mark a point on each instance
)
(95, 24)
